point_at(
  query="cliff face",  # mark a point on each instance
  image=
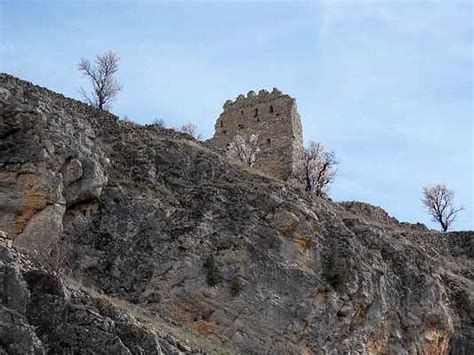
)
(42, 313)
(160, 222)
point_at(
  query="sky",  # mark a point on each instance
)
(387, 85)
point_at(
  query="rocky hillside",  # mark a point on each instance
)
(43, 313)
(211, 255)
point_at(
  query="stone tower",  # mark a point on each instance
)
(274, 118)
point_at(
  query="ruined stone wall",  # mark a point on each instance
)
(274, 118)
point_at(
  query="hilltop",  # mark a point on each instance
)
(172, 248)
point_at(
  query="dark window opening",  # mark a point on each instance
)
(224, 131)
(269, 141)
(222, 124)
(255, 114)
(271, 109)
(241, 126)
(242, 112)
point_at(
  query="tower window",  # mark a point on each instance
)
(242, 112)
(241, 126)
(271, 109)
(224, 131)
(269, 141)
(222, 124)
(255, 113)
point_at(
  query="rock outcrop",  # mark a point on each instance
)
(157, 220)
(42, 313)
(377, 215)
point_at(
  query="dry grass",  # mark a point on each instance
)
(183, 335)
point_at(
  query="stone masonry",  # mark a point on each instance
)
(274, 118)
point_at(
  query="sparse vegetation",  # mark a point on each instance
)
(334, 270)
(235, 286)
(192, 129)
(159, 122)
(213, 275)
(182, 334)
(53, 256)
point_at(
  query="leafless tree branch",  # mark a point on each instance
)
(438, 200)
(102, 77)
(192, 129)
(244, 149)
(316, 168)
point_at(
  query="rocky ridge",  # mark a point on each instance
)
(157, 220)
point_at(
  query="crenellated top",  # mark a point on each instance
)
(252, 98)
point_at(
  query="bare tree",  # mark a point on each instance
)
(316, 168)
(159, 122)
(51, 254)
(438, 200)
(102, 76)
(244, 149)
(192, 129)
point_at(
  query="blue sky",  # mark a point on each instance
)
(387, 85)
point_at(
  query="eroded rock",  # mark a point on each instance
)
(42, 313)
(297, 274)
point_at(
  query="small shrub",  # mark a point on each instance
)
(192, 129)
(334, 269)
(103, 304)
(248, 352)
(159, 122)
(213, 276)
(236, 286)
(53, 256)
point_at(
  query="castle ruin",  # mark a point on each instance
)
(274, 118)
